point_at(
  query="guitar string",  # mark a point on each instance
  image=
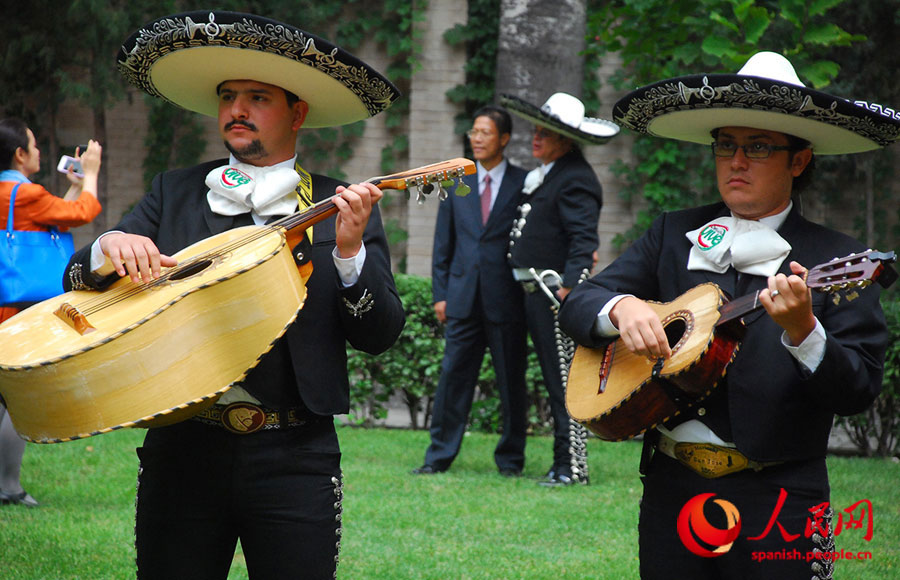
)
(108, 299)
(127, 291)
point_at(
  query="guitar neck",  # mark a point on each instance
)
(735, 309)
(419, 178)
(847, 274)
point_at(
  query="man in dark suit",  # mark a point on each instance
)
(475, 294)
(263, 465)
(557, 233)
(759, 441)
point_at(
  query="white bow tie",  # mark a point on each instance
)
(749, 246)
(240, 188)
(533, 180)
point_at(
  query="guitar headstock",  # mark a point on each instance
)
(424, 179)
(853, 272)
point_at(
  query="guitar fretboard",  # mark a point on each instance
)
(739, 307)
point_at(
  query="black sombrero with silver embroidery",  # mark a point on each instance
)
(563, 114)
(765, 94)
(183, 58)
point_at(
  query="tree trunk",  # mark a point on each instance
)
(538, 54)
(869, 184)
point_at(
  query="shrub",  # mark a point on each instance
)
(877, 430)
(411, 369)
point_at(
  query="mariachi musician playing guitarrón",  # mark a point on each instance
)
(275, 484)
(801, 360)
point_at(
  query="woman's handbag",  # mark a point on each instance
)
(31, 263)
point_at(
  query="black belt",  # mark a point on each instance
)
(244, 418)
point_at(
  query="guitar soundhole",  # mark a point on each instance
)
(675, 331)
(678, 326)
(190, 270)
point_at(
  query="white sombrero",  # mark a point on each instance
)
(184, 57)
(563, 114)
(765, 94)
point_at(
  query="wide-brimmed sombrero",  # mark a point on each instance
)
(765, 94)
(184, 57)
(563, 114)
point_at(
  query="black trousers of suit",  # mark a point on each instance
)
(466, 339)
(668, 486)
(541, 323)
(201, 488)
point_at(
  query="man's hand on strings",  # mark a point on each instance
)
(789, 302)
(135, 256)
(640, 328)
(354, 205)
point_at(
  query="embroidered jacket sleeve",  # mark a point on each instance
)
(370, 310)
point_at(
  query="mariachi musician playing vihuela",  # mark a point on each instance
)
(263, 464)
(761, 435)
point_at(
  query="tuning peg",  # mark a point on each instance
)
(462, 189)
(428, 188)
(852, 296)
(836, 299)
(442, 193)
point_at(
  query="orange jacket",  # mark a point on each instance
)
(37, 209)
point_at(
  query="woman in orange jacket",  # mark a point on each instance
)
(36, 209)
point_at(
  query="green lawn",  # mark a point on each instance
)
(469, 523)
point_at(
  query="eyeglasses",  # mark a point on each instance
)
(751, 151)
(472, 133)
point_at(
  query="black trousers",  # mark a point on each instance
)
(668, 486)
(465, 342)
(201, 488)
(541, 328)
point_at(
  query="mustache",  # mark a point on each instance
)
(246, 124)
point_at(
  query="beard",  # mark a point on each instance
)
(255, 150)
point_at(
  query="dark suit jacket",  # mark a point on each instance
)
(470, 258)
(175, 214)
(775, 410)
(561, 229)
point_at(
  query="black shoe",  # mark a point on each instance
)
(23, 498)
(558, 480)
(510, 472)
(427, 470)
(561, 479)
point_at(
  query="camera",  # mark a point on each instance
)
(67, 161)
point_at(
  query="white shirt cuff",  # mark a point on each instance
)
(603, 326)
(349, 269)
(811, 351)
(100, 263)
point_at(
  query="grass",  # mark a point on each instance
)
(469, 523)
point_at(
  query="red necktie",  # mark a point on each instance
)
(486, 199)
